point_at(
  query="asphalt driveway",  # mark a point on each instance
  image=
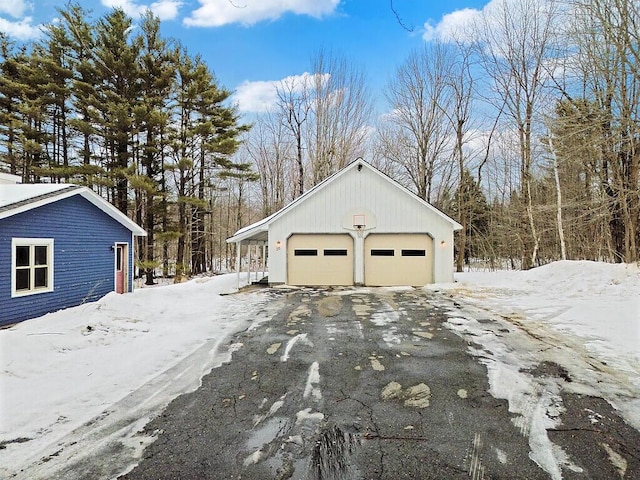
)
(369, 384)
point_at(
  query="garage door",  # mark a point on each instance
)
(398, 259)
(320, 260)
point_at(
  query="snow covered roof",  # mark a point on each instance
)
(7, 178)
(16, 193)
(258, 230)
(18, 198)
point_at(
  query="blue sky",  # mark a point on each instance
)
(249, 43)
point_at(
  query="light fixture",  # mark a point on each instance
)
(443, 243)
(278, 245)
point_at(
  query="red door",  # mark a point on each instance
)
(121, 262)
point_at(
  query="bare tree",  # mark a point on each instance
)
(556, 178)
(271, 149)
(341, 108)
(607, 59)
(514, 40)
(461, 85)
(419, 96)
(294, 105)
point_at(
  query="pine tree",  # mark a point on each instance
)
(83, 121)
(58, 70)
(152, 116)
(116, 61)
(10, 100)
(470, 198)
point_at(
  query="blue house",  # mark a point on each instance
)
(60, 246)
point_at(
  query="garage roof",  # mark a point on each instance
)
(258, 231)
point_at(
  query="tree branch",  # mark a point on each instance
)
(399, 20)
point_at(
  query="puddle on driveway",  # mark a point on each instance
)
(329, 306)
(262, 439)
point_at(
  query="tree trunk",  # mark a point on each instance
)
(556, 176)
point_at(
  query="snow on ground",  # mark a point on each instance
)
(66, 368)
(583, 316)
(112, 364)
(597, 302)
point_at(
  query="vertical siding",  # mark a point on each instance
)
(355, 191)
(83, 259)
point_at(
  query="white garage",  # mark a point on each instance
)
(358, 227)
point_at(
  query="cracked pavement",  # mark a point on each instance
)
(351, 383)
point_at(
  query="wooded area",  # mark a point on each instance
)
(523, 128)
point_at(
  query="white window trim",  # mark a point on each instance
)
(15, 242)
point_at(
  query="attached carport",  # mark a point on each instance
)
(255, 238)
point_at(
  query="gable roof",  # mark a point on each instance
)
(258, 230)
(19, 198)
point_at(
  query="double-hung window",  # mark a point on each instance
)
(32, 266)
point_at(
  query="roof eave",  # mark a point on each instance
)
(87, 194)
(249, 234)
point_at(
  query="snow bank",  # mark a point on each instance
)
(599, 302)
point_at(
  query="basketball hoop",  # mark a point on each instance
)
(359, 224)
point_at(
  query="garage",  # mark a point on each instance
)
(316, 260)
(356, 227)
(398, 259)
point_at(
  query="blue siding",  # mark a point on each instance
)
(83, 260)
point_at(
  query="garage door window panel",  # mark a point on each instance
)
(414, 253)
(305, 252)
(335, 252)
(381, 252)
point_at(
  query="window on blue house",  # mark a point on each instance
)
(32, 266)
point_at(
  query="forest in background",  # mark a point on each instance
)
(524, 128)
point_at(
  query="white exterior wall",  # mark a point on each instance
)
(388, 208)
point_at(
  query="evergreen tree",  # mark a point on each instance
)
(57, 68)
(117, 89)
(470, 198)
(83, 121)
(156, 78)
(10, 100)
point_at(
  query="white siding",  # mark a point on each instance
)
(329, 209)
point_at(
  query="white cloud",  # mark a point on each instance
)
(256, 97)
(454, 25)
(215, 13)
(15, 8)
(163, 9)
(458, 25)
(262, 96)
(21, 30)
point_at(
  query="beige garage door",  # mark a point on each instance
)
(320, 260)
(398, 259)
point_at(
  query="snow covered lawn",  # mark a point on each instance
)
(64, 369)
